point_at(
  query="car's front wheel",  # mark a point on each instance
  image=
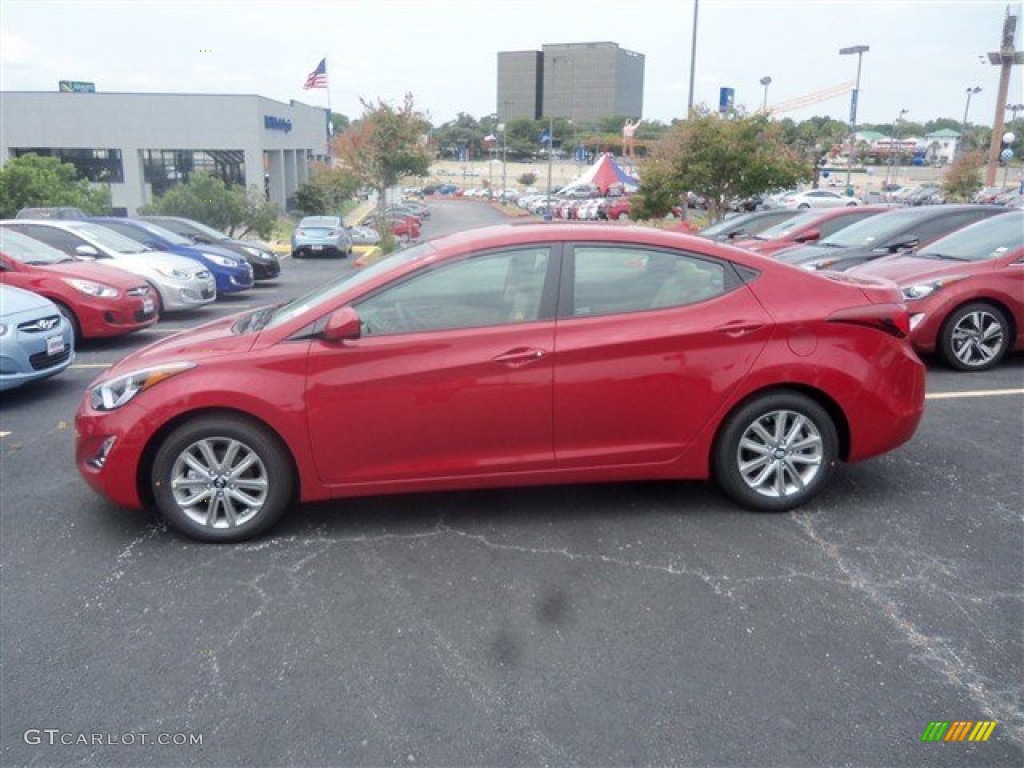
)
(776, 452)
(222, 479)
(975, 337)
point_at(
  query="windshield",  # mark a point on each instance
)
(28, 251)
(988, 239)
(780, 230)
(296, 307)
(871, 231)
(165, 234)
(109, 239)
(192, 227)
(726, 225)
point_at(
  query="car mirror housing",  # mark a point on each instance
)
(343, 325)
(810, 236)
(87, 251)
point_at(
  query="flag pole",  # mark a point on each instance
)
(330, 123)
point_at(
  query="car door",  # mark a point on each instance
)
(450, 378)
(649, 345)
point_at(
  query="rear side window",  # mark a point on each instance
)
(618, 279)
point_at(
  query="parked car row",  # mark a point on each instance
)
(960, 268)
(101, 277)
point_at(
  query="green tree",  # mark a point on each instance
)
(963, 177)
(207, 199)
(326, 191)
(722, 160)
(31, 181)
(385, 145)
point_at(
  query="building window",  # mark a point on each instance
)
(163, 168)
(96, 165)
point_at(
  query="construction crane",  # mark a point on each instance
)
(810, 98)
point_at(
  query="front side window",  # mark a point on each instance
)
(492, 289)
(618, 279)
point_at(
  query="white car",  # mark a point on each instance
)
(817, 198)
(180, 282)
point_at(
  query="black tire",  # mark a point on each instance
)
(975, 337)
(803, 207)
(851, 205)
(778, 476)
(76, 328)
(158, 300)
(296, 254)
(227, 507)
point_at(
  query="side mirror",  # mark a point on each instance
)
(87, 251)
(905, 245)
(343, 325)
(809, 236)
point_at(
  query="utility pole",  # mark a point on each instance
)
(1006, 58)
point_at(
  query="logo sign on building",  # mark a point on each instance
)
(76, 86)
(272, 123)
(726, 97)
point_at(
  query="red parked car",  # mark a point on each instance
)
(405, 228)
(806, 228)
(965, 292)
(511, 356)
(97, 299)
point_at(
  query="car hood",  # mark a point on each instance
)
(208, 341)
(911, 268)
(92, 271)
(196, 251)
(160, 259)
(15, 301)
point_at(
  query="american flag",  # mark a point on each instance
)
(318, 77)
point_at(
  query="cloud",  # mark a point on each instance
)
(17, 52)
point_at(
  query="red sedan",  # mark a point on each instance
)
(97, 299)
(806, 227)
(965, 292)
(509, 356)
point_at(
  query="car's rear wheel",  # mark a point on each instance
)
(776, 452)
(222, 479)
(975, 337)
(803, 206)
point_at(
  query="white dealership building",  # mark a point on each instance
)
(140, 144)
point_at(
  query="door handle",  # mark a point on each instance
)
(738, 328)
(519, 357)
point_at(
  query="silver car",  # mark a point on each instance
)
(320, 235)
(180, 282)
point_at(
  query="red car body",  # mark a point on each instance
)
(807, 227)
(405, 227)
(100, 300)
(558, 395)
(979, 270)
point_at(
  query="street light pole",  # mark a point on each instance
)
(860, 50)
(765, 81)
(693, 60)
(970, 92)
(551, 135)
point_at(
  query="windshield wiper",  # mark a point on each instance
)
(941, 256)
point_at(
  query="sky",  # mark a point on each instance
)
(923, 55)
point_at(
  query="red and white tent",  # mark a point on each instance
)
(605, 173)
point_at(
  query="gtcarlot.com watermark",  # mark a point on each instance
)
(56, 737)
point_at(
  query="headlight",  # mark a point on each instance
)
(222, 261)
(178, 274)
(920, 291)
(113, 393)
(3, 329)
(91, 288)
(255, 252)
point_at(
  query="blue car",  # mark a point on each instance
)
(36, 340)
(231, 271)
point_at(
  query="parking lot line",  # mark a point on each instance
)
(973, 393)
(4, 434)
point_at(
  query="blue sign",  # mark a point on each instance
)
(726, 98)
(76, 86)
(277, 123)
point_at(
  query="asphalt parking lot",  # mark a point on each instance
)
(626, 625)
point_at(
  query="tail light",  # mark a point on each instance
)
(893, 319)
